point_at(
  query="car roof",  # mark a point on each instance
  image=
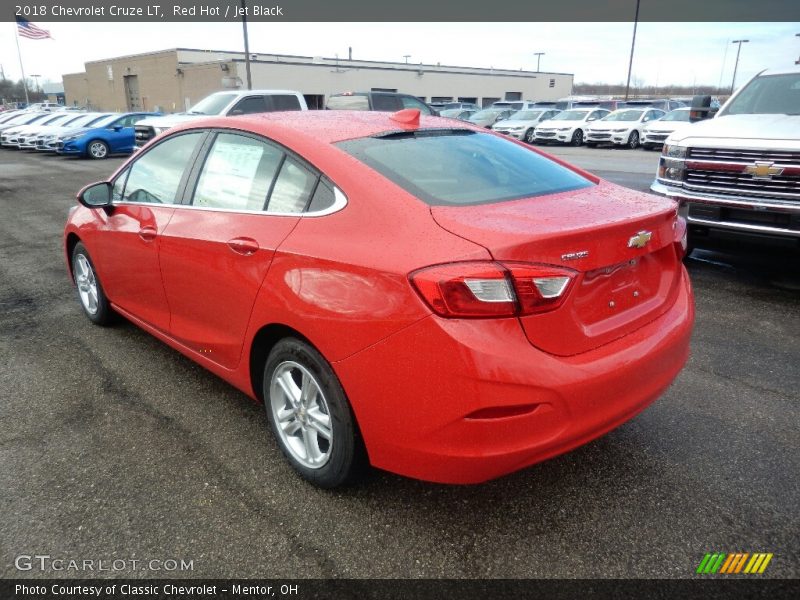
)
(328, 126)
(781, 71)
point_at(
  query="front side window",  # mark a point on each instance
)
(385, 102)
(250, 105)
(454, 167)
(156, 176)
(237, 173)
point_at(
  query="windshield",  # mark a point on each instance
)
(525, 115)
(571, 115)
(624, 115)
(455, 167)
(212, 105)
(676, 115)
(487, 113)
(768, 95)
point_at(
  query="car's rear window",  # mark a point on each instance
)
(348, 102)
(462, 167)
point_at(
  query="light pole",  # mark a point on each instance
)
(246, 45)
(406, 56)
(736, 64)
(538, 56)
(633, 45)
(797, 62)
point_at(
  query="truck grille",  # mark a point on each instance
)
(144, 134)
(745, 156)
(717, 170)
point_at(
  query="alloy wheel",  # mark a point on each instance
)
(98, 150)
(300, 411)
(87, 284)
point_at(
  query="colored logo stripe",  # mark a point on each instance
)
(734, 563)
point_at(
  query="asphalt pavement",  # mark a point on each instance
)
(115, 447)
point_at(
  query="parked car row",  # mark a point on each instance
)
(88, 134)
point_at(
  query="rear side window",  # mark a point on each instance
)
(237, 173)
(357, 102)
(461, 167)
(292, 188)
(283, 102)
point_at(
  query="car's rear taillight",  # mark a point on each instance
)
(492, 289)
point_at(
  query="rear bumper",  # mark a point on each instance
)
(415, 416)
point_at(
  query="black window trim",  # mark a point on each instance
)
(188, 185)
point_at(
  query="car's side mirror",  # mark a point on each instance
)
(235, 112)
(117, 128)
(96, 195)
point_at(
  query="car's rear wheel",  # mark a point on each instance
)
(530, 136)
(577, 138)
(90, 292)
(633, 140)
(97, 149)
(310, 416)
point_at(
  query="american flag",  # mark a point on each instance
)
(28, 30)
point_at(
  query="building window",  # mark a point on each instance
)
(392, 90)
(513, 95)
(487, 102)
(441, 98)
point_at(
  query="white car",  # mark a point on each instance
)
(622, 127)
(44, 107)
(222, 104)
(521, 124)
(18, 136)
(655, 133)
(52, 133)
(568, 126)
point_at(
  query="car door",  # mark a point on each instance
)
(216, 251)
(128, 238)
(121, 133)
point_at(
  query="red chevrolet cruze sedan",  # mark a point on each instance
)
(415, 294)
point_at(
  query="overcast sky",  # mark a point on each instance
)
(679, 53)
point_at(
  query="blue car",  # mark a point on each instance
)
(112, 135)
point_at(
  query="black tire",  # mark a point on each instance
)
(633, 140)
(529, 136)
(97, 149)
(91, 296)
(577, 138)
(346, 455)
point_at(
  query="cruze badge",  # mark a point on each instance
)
(575, 255)
(763, 170)
(640, 240)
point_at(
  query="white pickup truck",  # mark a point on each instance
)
(222, 104)
(740, 171)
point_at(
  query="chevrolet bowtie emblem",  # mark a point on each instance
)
(640, 240)
(763, 170)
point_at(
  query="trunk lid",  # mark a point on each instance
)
(618, 288)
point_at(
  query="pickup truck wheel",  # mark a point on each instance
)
(633, 140)
(97, 149)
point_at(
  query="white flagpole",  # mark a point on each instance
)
(21, 68)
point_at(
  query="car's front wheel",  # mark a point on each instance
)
(90, 292)
(97, 149)
(530, 136)
(577, 138)
(310, 416)
(633, 140)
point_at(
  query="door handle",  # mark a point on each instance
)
(244, 246)
(148, 234)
